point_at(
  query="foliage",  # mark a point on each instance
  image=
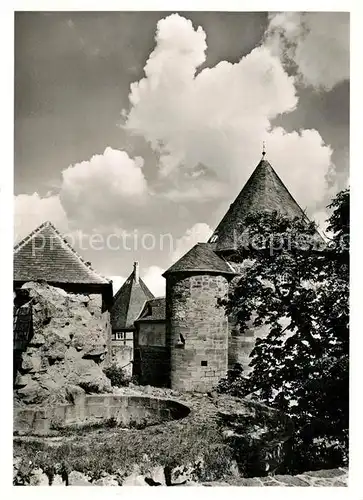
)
(116, 375)
(234, 383)
(299, 289)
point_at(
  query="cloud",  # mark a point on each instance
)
(152, 277)
(103, 186)
(31, 210)
(210, 124)
(199, 233)
(316, 42)
(206, 127)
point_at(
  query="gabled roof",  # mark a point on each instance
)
(44, 255)
(201, 258)
(264, 190)
(128, 302)
(153, 310)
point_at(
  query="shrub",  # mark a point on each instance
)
(116, 375)
(234, 384)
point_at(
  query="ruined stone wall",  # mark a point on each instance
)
(196, 330)
(69, 348)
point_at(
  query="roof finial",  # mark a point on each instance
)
(136, 272)
(263, 149)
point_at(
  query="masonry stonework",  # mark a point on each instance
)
(196, 330)
(240, 345)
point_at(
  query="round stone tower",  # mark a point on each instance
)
(196, 325)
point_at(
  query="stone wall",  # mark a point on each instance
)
(240, 345)
(88, 410)
(151, 333)
(196, 330)
(152, 366)
(122, 356)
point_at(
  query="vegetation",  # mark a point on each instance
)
(300, 292)
(115, 451)
(117, 376)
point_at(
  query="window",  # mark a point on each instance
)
(181, 342)
(214, 238)
(204, 363)
(120, 335)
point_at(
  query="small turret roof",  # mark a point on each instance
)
(128, 302)
(201, 258)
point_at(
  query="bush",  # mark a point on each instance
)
(234, 384)
(117, 376)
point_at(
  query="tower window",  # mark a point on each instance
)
(204, 363)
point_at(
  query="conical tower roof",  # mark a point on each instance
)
(129, 300)
(200, 258)
(45, 255)
(264, 190)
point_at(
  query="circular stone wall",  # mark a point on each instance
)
(127, 411)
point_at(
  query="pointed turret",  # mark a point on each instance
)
(129, 300)
(201, 258)
(264, 190)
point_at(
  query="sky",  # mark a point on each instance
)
(135, 131)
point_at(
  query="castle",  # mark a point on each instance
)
(184, 341)
(200, 343)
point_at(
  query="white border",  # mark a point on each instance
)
(6, 238)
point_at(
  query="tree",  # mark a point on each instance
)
(299, 288)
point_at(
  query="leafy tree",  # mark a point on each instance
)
(298, 287)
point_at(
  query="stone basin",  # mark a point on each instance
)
(124, 410)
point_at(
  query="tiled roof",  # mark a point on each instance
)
(153, 310)
(201, 258)
(128, 302)
(264, 190)
(45, 255)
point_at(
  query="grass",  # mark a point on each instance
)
(115, 450)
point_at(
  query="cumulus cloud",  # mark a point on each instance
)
(199, 233)
(105, 184)
(210, 124)
(152, 276)
(32, 210)
(207, 128)
(316, 42)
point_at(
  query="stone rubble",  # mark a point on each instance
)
(66, 354)
(155, 477)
